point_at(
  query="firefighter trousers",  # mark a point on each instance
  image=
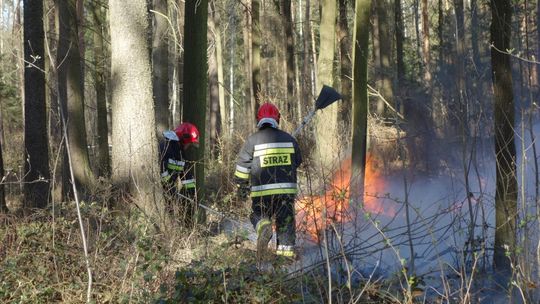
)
(280, 207)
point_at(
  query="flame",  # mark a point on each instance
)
(315, 213)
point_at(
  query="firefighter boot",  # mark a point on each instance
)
(264, 234)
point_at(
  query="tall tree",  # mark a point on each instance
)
(3, 206)
(385, 56)
(160, 64)
(360, 97)
(134, 155)
(460, 61)
(36, 177)
(213, 81)
(505, 149)
(256, 41)
(345, 53)
(425, 43)
(195, 80)
(100, 80)
(71, 93)
(286, 19)
(398, 19)
(326, 121)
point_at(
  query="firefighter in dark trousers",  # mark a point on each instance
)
(267, 163)
(177, 173)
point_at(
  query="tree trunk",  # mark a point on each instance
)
(134, 154)
(213, 84)
(425, 44)
(385, 44)
(70, 80)
(249, 101)
(160, 64)
(100, 75)
(398, 15)
(36, 177)
(256, 41)
(346, 65)
(505, 150)
(195, 82)
(326, 120)
(3, 206)
(475, 25)
(460, 62)
(440, 28)
(360, 98)
(286, 15)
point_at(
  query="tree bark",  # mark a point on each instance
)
(326, 120)
(37, 175)
(195, 82)
(360, 98)
(213, 83)
(425, 44)
(505, 150)
(346, 65)
(160, 64)
(100, 76)
(286, 15)
(71, 92)
(3, 206)
(460, 62)
(134, 154)
(256, 55)
(385, 56)
(398, 16)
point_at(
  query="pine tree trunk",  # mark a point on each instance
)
(460, 57)
(36, 177)
(70, 76)
(426, 58)
(360, 98)
(195, 82)
(247, 31)
(286, 14)
(213, 83)
(505, 150)
(256, 54)
(3, 206)
(398, 16)
(346, 65)
(134, 154)
(475, 25)
(326, 120)
(160, 64)
(100, 75)
(385, 44)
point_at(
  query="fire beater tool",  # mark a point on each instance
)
(327, 96)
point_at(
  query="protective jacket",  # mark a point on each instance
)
(268, 161)
(175, 171)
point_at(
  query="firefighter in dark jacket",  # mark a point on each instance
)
(177, 173)
(267, 163)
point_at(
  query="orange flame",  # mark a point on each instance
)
(314, 213)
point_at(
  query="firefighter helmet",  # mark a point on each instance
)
(187, 133)
(268, 110)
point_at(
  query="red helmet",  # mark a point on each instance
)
(268, 110)
(187, 133)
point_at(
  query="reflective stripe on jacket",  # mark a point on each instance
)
(268, 161)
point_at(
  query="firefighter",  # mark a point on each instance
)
(266, 168)
(177, 173)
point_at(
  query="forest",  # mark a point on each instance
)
(416, 121)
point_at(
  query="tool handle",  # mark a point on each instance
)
(306, 120)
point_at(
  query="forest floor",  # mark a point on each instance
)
(42, 261)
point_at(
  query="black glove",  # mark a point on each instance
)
(242, 192)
